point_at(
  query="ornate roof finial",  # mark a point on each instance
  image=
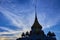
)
(35, 8)
(36, 23)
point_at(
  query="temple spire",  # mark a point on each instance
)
(36, 23)
(35, 9)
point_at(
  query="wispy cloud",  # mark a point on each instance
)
(11, 32)
(5, 28)
(48, 21)
(14, 20)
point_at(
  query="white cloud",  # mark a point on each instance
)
(14, 20)
(11, 32)
(5, 28)
(47, 21)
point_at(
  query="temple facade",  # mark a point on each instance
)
(37, 33)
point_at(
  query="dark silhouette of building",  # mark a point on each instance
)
(36, 32)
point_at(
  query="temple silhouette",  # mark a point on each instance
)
(36, 32)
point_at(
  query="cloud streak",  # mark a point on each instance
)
(4, 28)
(47, 21)
(14, 20)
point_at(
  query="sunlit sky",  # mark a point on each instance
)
(17, 16)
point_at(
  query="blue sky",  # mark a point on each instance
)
(18, 15)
